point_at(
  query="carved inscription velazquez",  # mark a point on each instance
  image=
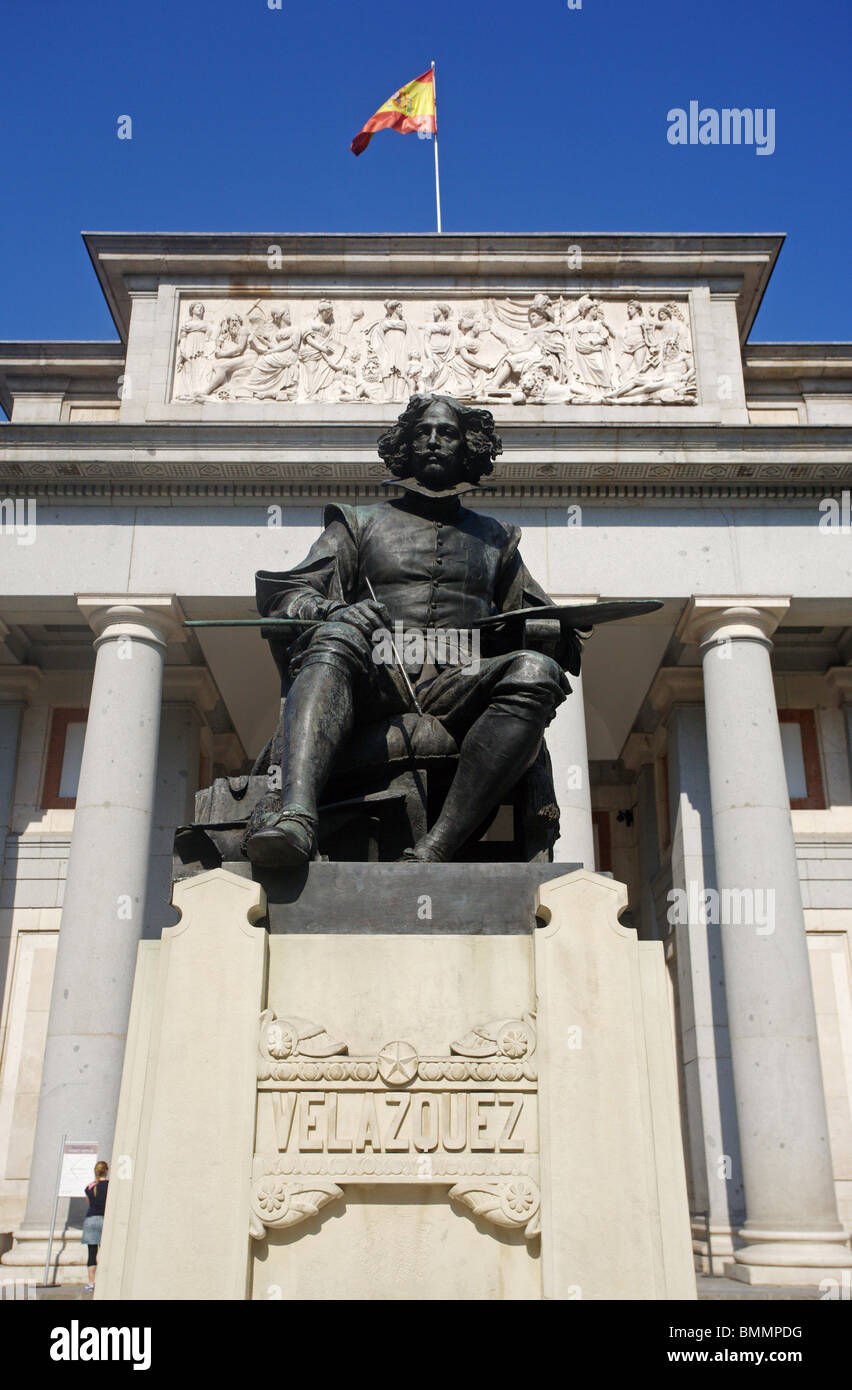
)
(467, 1120)
(423, 1122)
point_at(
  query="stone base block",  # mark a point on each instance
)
(457, 899)
(787, 1275)
(26, 1277)
(792, 1258)
(25, 1260)
(711, 1251)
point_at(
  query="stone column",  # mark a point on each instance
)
(188, 694)
(104, 906)
(17, 685)
(566, 742)
(841, 678)
(713, 1141)
(638, 758)
(792, 1233)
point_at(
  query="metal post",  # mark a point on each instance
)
(437, 181)
(55, 1205)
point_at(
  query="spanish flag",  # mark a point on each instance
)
(411, 108)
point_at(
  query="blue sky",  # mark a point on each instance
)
(549, 118)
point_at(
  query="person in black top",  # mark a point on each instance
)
(96, 1193)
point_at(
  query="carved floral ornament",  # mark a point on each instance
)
(277, 1203)
(295, 1049)
(542, 349)
(499, 1187)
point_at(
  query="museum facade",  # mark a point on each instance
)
(649, 450)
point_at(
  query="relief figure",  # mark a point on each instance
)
(195, 341)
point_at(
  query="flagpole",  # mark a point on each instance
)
(437, 181)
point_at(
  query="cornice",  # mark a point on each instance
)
(790, 361)
(279, 489)
(18, 684)
(34, 365)
(536, 455)
(738, 264)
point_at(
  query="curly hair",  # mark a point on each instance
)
(482, 443)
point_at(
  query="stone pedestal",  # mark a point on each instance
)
(419, 1114)
(615, 1219)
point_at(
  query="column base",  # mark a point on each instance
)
(785, 1275)
(69, 1258)
(710, 1255)
(808, 1257)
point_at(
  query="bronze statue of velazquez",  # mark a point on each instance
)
(420, 561)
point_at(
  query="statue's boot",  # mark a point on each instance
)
(318, 716)
(286, 838)
(495, 754)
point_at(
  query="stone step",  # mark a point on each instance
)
(713, 1287)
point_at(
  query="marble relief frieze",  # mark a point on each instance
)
(542, 349)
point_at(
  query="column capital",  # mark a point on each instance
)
(147, 617)
(18, 684)
(637, 751)
(190, 685)
(745, 617)
(227, 750)
(841, 678)
(674, 685)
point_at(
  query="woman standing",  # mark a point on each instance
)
(93, 1225)
(195, 344)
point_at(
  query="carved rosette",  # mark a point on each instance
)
(510, 1038)
(277, 1202)
(511, 1202)
(283, 1039)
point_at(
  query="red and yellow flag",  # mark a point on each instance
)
(411, 108)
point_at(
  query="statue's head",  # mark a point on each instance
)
(441, 442)
(534, 380)
(540, 310)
